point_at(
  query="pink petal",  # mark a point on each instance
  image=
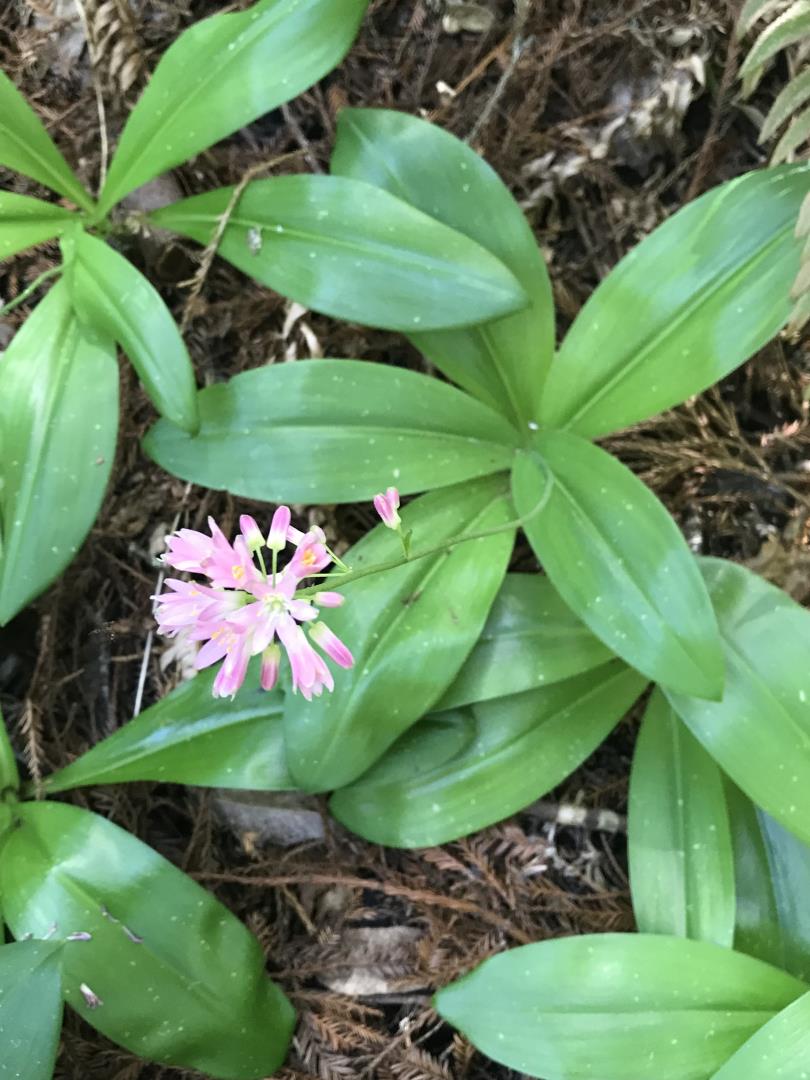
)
(329, 599)
(212, 651)
(331, 644)
(386, 506)
(270, 665)
(251, 533)
(279, 529)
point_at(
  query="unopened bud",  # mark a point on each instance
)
(279, 526)
(251, 532)
(386, 505)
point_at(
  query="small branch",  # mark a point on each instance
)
(102, 113)
(46, 275)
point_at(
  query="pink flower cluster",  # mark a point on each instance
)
(244, 608)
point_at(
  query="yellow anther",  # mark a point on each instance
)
(238, 572)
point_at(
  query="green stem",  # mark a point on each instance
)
(393, 564)
(9, 775)
(35, 284)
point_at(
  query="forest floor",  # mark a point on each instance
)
(603, 118)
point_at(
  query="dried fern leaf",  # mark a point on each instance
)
(787, 104)
(791, 26)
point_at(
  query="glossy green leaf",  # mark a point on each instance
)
(409, 628)
(58, 422)
(531, 639)
(773, 883)
(26, 147)
(619, 561)
(181, 980)
(501, 755)
(760, 732)
(110, 295)
(25, 222)
(616, 1006)
(224, 73)
(679, 838)
(505, 362)
(351, 250)
(705, 290)
(30, 1008)
(334, 431)
(191, 737)
(779, 1049)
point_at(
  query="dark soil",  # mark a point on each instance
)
(534, 94)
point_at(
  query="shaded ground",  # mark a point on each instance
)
(597, 116)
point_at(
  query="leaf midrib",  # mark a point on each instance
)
(398, 257)
(618, 557)
(67, 338)
(673, 325)
(349, 707)
(260, 28)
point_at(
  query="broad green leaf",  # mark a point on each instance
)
(773, 882)
(110, 295)
(689, 304)
(26, 147)
(504, 362)
(333, 431)
(224, 73)
(679, 838)
(351, 250)
(58, 423)
(30, 1008)
(616, 1006)
(181, 980)
(507, 753)
(25, 222)
(619, 561)
(779, 1049)
(760, 732)
(531, 639)
(409, 628)
(9, 773)
(191, 737)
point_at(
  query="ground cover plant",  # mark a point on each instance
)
(252, 731)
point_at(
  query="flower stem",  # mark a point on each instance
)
(32, 288)
(436, 549)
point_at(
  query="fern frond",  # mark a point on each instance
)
(791, 26)
(754, 10)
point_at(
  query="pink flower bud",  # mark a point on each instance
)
(271, 658)
(251, 532)
(386, 506)
(331, 644)
(328, 599)
(279, 527)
